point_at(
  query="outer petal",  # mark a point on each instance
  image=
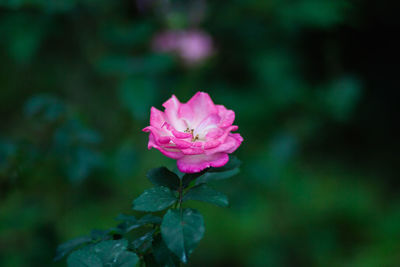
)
(227, 116)
(222, 136)
(169, 152)
(238, 141)
(160, 135)
(197, 163)
(157, 118)
(232, 142)
(171, 113)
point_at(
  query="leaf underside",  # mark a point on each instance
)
(182, 232)
(154, 199)
(206, 194)
(112, 253)
(163, 177)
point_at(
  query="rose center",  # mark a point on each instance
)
(194, 137)
(199, 130)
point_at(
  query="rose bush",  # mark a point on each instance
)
(198, 134)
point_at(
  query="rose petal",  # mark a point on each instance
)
(157, 118)
(160, 136)
(192, 151)
(171, 113)
(202, 106)
(227, 116)
(214, 133)
(171, 153)
(208, 123)
(186, 113)
(211, 144)
(197, 163)
(181, 144)
(230, 144)
(177, 134)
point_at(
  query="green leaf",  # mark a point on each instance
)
(126, 259)
(233, 163)
(112, 253)
(130, 222)
(178, 172)
(182, 232)
(99, 234)
(164, 177)
(144, 242)
(45, 107)
(109, 250)
(164, 256)
(215, 176)
(154, 199)
(206, 194)
(341, 97)
(189, 177)
(126, 227)
(150, 219)
(69, 246)
(84, 258)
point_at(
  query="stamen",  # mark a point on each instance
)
(191, 131)
(194, 139)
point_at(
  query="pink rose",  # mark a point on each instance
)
(197, 133)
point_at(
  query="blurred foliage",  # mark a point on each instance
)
(312, 86)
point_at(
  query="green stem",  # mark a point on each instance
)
(180, 197)
(180, 190)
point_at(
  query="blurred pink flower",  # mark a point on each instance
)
(192, 46)
(196, 133)
(166, 41)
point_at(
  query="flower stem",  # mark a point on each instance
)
(180, 190)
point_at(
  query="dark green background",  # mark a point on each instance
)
(314, 84)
